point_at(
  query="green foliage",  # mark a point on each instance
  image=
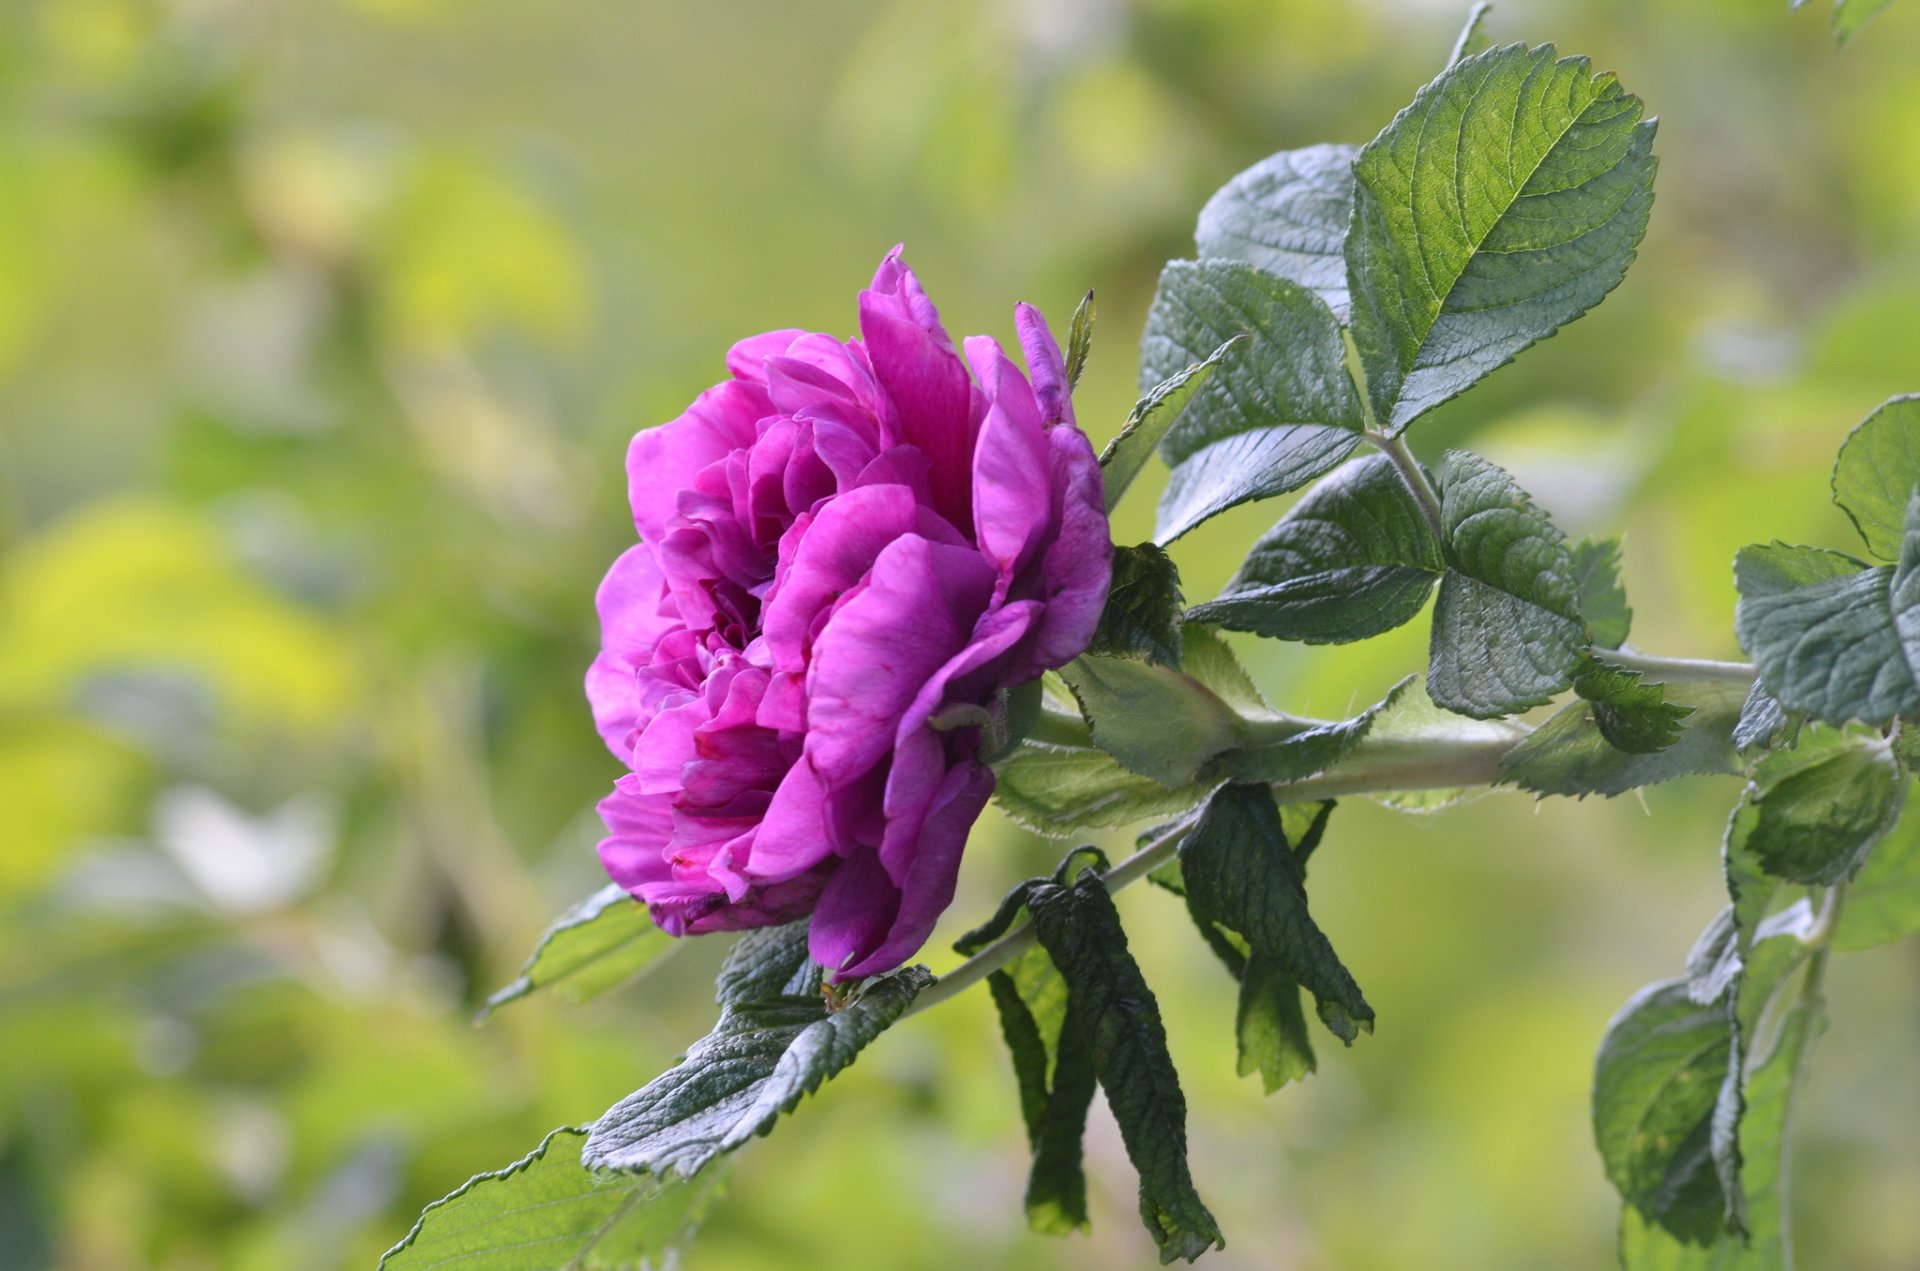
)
(1153, 719)
(1603, 601)
(1273, 416)
(546, 1213)
(1288, 215)
(1112, 1016)
(1354, 558)
(1507, 628)
(1823, 805)
(775, 1043)
(1142, 616)
(1656, 1083)
(1241, 875)
(1571, 755)
(1158, 410)
(1506, 201)
(603, 941)
(1876, 472)
(1080, 344)
(1633, 716)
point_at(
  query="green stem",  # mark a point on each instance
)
(1395, 449)
(1811, 1004)
(1679, 668)
(1377, 766)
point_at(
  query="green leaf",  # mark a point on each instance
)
(604, 940)
(1142, 615)
(547, 1213)
(1147, 424)
(1057, 789)
(1080, 342)
(1569, 755)
(1112, 1016)
(767, 962)
(1822, 632)
(1824, 804)
(1352, 559)
(1761, 720)
(1633, 716)
(1883, 903)
(1208, 659)
(1287, 749)
(1656, 1084)
(1603, 601)
(1507, 630)
(1850, 15)
(1287, 214)
(1471, 39)
(1270, 1026)
(1154, 720)
(1271, 418)
(1241, 874)
(1506, 201)
(1875, 475)
(1056, 1089)
(760, 1060)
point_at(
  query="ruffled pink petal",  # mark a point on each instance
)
(933, 401)
(663, 461)
(631, 625)
(1012, 487)
(877, 652)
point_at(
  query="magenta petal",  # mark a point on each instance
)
(925, 894)
(932, 398)
(663, 461)
(1012, 485)
(877, 652)
(631, 625)
(1078, 565)
(837, 551)
(747, 359)
(1045, 366)
(796, 833)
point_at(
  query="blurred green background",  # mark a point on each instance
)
(323, 326)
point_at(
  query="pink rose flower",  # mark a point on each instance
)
(838, 543)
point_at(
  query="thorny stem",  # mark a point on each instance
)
(1377, 766)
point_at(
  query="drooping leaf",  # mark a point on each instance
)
(1056, 1088)
(1631, 714)
(1877, 471)
(1656, 1082)
(1569, 755)
(1080, 342)
(1883, 903)
(1824, 804)
(547, 1213)
(1112, 1016)
(1154, 720)
(1241, 874)
(1142, 616)
(1603, 601)
(1274, 415)
(1506, 201)
(1352, 559)
(775, 1043)
(604, 940)
(1287, 214)
(1270, 1025)
(1821, 630)
(1158, 410)
(1507, 630)
(1761, 720)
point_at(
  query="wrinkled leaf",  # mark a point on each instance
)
(1352, 559)
(1273, 416)
(1142, 615)
(1288, 214)
(1506, 201)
